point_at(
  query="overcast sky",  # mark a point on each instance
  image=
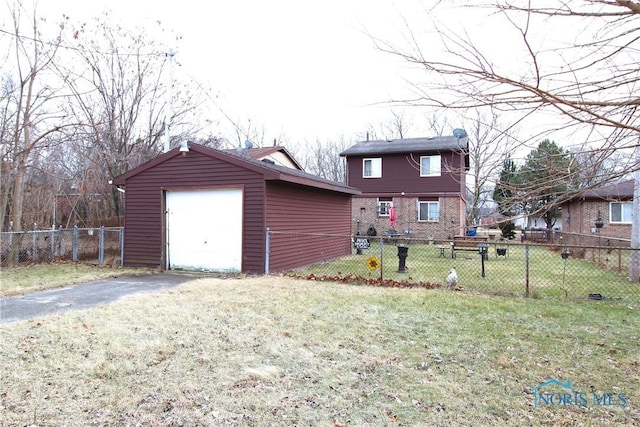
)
(305, 70)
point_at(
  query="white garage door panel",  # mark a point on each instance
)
(204, 229)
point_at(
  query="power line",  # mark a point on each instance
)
(212, 99)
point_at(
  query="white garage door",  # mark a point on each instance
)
(204, 229)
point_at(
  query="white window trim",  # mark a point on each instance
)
(428, 202)
(374, 160)
(439, 165)
(386, 202)
(611, 213)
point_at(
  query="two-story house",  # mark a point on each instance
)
(422, 178)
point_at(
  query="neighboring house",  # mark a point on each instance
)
(424, 179)
(537, 222)
(276, 155)
(200, 208)
(613, 204)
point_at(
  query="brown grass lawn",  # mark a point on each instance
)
(274, 351)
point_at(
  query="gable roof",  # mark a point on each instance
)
(261, 153)
(407, 145)
(619, 191)
(271, 172)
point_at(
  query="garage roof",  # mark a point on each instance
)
(270, 171)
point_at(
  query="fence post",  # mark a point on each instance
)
(526, 269)
(60, 241)
(121, 246)
(34, 245)
(267, 251)
(52, 253)
(101, 246)
(74, 244)
(381, 258)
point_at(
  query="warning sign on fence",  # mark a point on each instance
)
(373, 263)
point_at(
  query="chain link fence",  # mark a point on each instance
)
(101, 246)
(515, 268)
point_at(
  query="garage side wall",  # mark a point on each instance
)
(144, 219)
(296, 209)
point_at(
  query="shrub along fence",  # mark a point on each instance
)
(489, 266)
(102, 245)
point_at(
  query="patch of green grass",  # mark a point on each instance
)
(279, 351)
(38, 277)
(550, 276)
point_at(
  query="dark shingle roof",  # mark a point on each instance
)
(618, 191)
(261, 152)
(406, 145)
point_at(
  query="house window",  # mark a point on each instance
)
(428, 211)
(430, 165)
(384, 203)
(372, 168)
(621, 212)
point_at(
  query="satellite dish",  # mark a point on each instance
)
(248, 144)
(460, 133)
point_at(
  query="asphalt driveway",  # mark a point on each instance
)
(78, 297)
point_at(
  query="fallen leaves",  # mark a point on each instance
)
(369, 281)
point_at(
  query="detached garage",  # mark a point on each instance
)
(205, 209)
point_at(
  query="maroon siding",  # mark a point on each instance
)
(144, 198)
(401, 173)
(298, 209)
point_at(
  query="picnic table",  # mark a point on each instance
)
(442, 249)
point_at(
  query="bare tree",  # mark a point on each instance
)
(250, 131)
(397, 127)
(118, 79)
(490, 142)
(30, 108)
(589, 78)
(323, 159)
(76, 110)
(489, 145)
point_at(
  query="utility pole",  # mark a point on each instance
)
(634, 261)
(168, 107)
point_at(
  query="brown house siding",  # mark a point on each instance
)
(144, 220)
(401, 173)
(283, 198)
(290, 208)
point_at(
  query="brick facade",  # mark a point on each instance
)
(451, 222)
(580, 217)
